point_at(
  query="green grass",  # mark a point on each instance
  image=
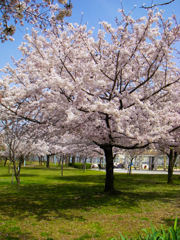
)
(47, 206)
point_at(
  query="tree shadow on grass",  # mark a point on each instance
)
(82, 193)
(170, 221)
(22, 175)
(15, 235)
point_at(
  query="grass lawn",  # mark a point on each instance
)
(49, 207)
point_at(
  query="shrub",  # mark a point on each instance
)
(80, 165)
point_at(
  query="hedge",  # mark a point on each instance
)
(80, 165)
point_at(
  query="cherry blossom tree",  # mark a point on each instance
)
(132, 154)
(71, 146)
(170, 147)
(107, 92)
(19, 144)
(34, 12)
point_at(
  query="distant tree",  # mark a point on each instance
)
(19, 144)
(171, 147)
(132, 155)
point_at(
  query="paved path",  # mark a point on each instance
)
(120, 170)
(145, 171)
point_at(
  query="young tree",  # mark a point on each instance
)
(19, 144)
(110, 93)
(132, 155)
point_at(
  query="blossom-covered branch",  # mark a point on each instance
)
(38, 13)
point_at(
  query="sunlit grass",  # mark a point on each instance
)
(48, 206)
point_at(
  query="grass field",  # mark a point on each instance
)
(49, 207)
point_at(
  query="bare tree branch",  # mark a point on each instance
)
(158, 4)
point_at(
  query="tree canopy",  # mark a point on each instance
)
(119, 93)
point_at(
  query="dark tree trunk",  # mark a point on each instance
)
(73, 159)
(47, 162)
(21, 160)
(5, 161)
(17, 170)
(109, 183)
(41, 160)
(172, 159)
(152, 166)
(151, 163)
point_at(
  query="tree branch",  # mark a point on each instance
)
(23, 117)
(135, 146)
(158, 4)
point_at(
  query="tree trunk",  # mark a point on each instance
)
(66, 160)
(140, 163)
(172, 159)
(164, 163)
(152, 166)
(40, 161)
(62, 162)
(73, 159)
(5, 161)
(16, 172)
(80, 159)
(21, 160)
(84, 164)
(109, 183)
(47, 162)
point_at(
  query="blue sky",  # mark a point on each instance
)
(93, 11)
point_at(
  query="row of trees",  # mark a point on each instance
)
(17, 145)
(77, 91)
